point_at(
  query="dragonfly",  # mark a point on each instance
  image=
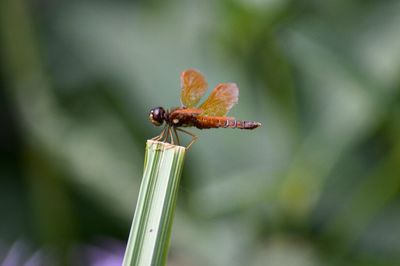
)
(210, 114)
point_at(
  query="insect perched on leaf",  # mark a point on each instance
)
(210, 114)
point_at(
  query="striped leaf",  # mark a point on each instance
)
(151, 227)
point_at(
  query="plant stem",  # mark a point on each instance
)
(151, 227)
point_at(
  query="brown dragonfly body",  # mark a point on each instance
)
(211, 114)
(182, 117)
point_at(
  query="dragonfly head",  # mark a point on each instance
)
(157, 115)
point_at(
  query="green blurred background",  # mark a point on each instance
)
(318, 184)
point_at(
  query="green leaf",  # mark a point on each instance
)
(151, 227)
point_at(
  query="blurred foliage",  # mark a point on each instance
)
(318, 184)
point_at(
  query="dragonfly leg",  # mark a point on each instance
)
(165, 139)
(194, 137)
(170, 135)
(156, 138)
(176, 134)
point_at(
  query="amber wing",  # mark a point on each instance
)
(221, 100)
(193, 86)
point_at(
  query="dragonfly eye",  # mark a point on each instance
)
(156, 116)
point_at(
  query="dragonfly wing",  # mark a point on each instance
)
(221, 100)
(193, 86)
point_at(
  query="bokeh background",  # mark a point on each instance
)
(318, 184)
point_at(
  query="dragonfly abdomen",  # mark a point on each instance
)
(247, 124)
(204, 122)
